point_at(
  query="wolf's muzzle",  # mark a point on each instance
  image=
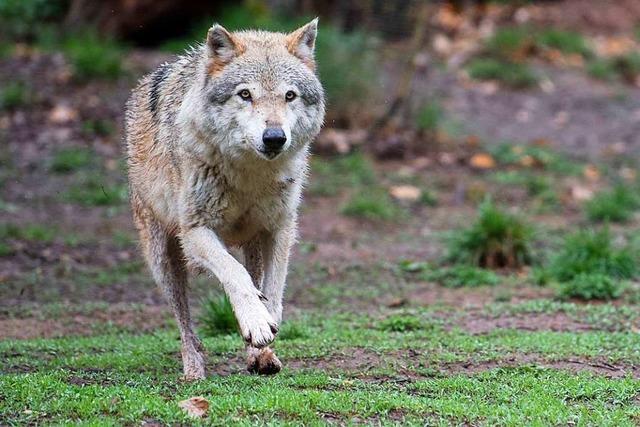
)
(273, 139)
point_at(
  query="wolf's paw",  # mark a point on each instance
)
(256, 324)
(263, 362)
(193, 362)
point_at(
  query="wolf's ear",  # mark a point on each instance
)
(222, 47)
(302, 42)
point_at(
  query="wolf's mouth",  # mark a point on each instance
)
(270, 154)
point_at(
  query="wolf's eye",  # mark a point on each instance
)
(290, 96)
(245, 94)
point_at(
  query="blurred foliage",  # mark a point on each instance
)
(96, 190)
(372, 203)
(14, 95)
(332, 175)
(496, 239)
(429, 116)
(217, 317)
(511, 74)
(564, 41)
(92, 56)
(591, 286)
(70, 159)
(21, 19)
(616, 205)
(593, 252)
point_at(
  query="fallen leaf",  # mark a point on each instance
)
(592, 173)
(482, 161)
(580, 193)
(195, 407)
(405, 192)
(62, 114)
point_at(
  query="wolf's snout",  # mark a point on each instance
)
(273, 139)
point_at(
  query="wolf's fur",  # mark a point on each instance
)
(201, 181)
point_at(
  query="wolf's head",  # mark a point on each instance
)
(260, 93)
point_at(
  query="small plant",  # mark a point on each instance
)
(400, 323)
(94, 57)
(592, 252)
(538, 156)
(98, 127)
(591, 286)
(28, 232)
(333, 175)
(564, 41)
(616, 205)
(70, 159)
(217, 317)
(497, 239)
(373, 203)
(459, 276)
(602, 69)
(13, 95)
(626, 67)
(511, 74)
(429, 117)
(293, 330)
(94, 190)
(510, 43)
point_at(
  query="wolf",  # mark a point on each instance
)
(218, 144)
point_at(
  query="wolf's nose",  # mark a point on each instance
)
(273, 138)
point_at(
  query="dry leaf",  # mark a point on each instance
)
(592, 173)
(581, 193)
(62, 114)
(405, 192)
(482, 161)
(195, 407)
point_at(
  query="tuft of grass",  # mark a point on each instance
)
(539, 156)
(28, 232)
(330, 176)
(591, 286)
(373, 203)
(564, 41)
(95, 190)
(293, 330)
(459, 276)
(616, 205)
(98, 127)
(14, 95)
(625, 67)
(429, 117)
(70, 159)
(92, 56)
(22, 18)
(217, 317)
(602, 69)
(400, 323)
(592, 252)
(510, 42)
(514, 75)
(496, 239)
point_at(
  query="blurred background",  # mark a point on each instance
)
(466, 143)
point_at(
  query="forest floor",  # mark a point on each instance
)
(86, 336)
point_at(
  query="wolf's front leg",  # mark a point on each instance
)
(274, 257)
(202, 246)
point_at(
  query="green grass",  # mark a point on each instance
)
(28, 232)
(429, 116)
(459, 276)
(217, 317)
(372, 203)
(71, 159)
(624, 67)
(593, 252)
(496, 239)
(564, 41)
(514, 75)
(98, 127)
(331, 176)
(534, 156)
(22, 18)
(590, 286)
(96, 190)
(616, 205)
(93, 57)
(128, 379)
(14, 95)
